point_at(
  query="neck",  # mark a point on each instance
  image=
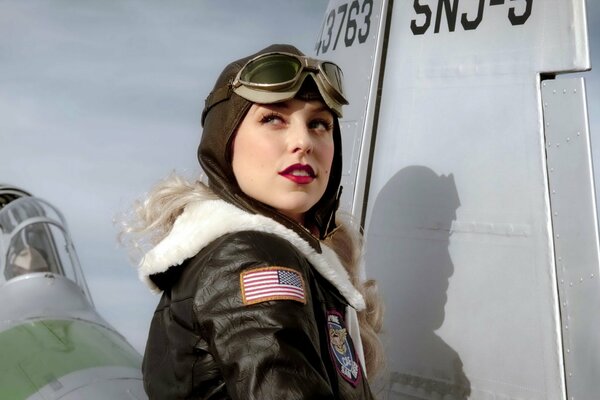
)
(299, 218)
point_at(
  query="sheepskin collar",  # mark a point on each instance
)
(204, 221)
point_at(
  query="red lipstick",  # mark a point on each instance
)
(299, 173)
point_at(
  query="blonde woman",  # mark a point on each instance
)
(260, 291)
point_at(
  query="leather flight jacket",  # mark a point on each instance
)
(213, 336)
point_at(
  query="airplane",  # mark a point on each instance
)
(53, 342)
(468, 163)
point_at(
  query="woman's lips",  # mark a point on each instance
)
(299, 173)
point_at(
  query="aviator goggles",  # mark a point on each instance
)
(274, 77)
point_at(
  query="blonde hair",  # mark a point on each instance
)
(347, 244)
(152, 219)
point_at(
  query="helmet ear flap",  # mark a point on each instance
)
(322, 214)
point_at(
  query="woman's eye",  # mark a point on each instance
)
(271, 119)
(321, 125)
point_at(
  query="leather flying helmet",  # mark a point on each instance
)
(224, 110)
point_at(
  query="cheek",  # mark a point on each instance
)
(252, 156)
(241, 154)
(244, 146)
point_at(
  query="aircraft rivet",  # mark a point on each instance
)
(592, 276)
(568, 139)
(554, 192)
(559, 258)
(580, 280)
(558, 235)
(564, 304)
(557, 145)
(578, 133)
(574, 90)
(545, 104)
(564, 91)
(571, 374)
(570, 283)
(556, 214)
(547, 123)
(567, 327)
(562, 281)
(544, 84)
(568, 350)
(554, 91)
(551, 169)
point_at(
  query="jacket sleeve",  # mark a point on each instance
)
(268, 350)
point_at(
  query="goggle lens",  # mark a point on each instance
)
(334, 75)
(275, 77)
(271, 69)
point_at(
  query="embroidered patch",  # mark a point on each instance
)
(272, 283)
(341, 348)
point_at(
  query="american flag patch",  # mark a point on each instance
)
(272, 283)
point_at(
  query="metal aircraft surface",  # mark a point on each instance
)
(468, 163)
(53, 343)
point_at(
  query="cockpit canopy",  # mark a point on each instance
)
(34, 239)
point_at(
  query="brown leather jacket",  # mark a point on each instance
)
(210, 339)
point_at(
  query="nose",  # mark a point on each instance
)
(300, 139)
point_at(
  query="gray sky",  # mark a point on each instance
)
(100, 99)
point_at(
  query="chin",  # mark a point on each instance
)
(291, 203)
(293, 209)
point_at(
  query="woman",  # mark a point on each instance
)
(255, 304)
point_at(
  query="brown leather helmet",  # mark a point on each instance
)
(223, 112)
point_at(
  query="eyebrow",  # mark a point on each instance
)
(322, 108)
(284, 105)
(281, 105)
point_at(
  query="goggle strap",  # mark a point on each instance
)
(215, 97)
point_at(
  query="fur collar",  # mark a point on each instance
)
(203, 221)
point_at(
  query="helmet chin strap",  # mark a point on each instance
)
(331, 226)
